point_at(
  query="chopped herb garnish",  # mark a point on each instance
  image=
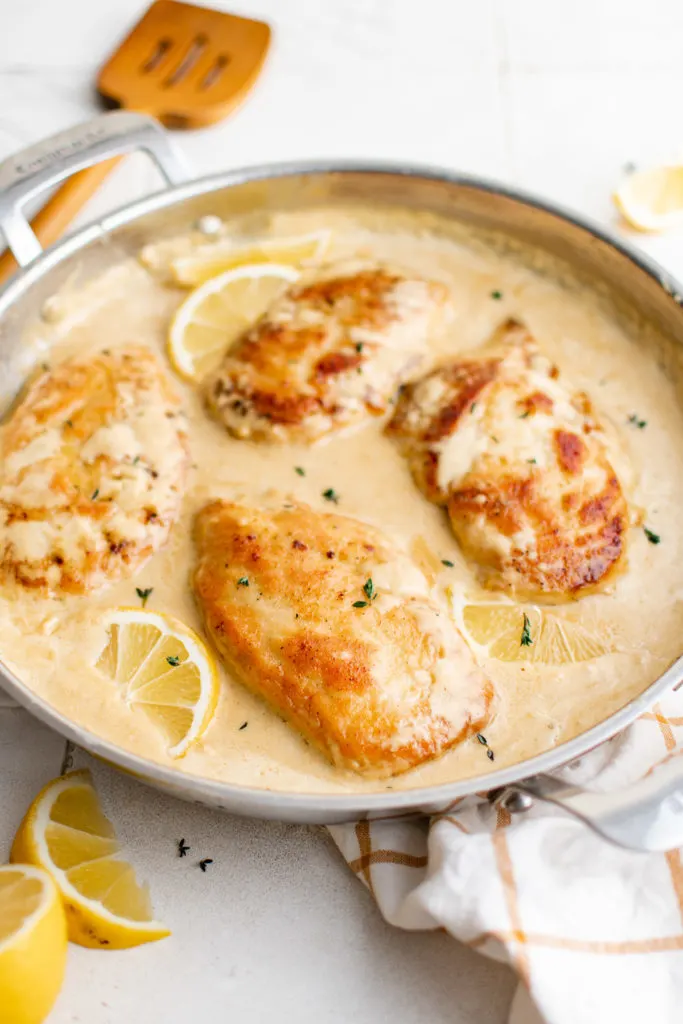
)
(331, 495)
(482, 739)
(243, 581)
(653, 538)
(173, 660)
(69, 423)
(494, 439)
(449, 565)
(359, 347)
(496, 295)
(136, 460)
(143, 594)
(183, 848)
(473, 406)
(45, 366)
(636, 421)
(360, 604)
(95, 494)
(526, 640)
(203, 863)
(524, 415)
(369, 590)
(243, 726)
(300, 470)
(490, 755)
(532, 462)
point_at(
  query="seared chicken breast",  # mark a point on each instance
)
(521, 464)
(328, 354)
(93, 463)
(332, 624)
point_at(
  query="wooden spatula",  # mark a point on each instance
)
(188, 66)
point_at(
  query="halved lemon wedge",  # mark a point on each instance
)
(66, 833)
(32, 944)
(214, 314)
(509, 632)
(652, 200)
(165, 670)
(210, 260)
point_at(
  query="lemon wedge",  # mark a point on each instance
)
(66, 833)
(652, 200)
(164, 669)
(32, 944)
(211, 260)
(213, 315)
(508, 632)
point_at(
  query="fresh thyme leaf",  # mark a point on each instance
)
(203, 863)
(635, 420)
(95, 494)
(183, 848)
(482, 739)
(369, 589)
(494, 439)
(473, 406)
(136, 460)
(360, 604)
(173, 660)
(532, 462)
(45, 366)
(524, 415)
(359, 347)
(300, 470)
(69, 423)
(243, 581)
(243, 726)
(331, 495)
(526, 640)
(449, 565)
(143, 594)
(653, 538)
(490, 755)
(496, 295)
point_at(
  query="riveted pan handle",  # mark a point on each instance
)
(646, 816)
(28, 173)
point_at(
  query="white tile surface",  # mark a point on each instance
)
(554, 98)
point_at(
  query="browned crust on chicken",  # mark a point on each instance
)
(521, 465)
(378, 688)
(329, 353)
(93, 461)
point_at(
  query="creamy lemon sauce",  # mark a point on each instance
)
(52, 644)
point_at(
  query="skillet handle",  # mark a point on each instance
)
(646, 816)
(28, 173)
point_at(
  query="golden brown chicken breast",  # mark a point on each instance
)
(93, 462)
(521, 464)
(328, 354)
(328, 621)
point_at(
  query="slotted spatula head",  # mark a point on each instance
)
(188, 66)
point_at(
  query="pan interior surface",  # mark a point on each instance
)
(611, 326)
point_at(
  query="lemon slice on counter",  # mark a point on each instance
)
(66, 833)
(652, 200)
(32, 944)
(209, 261)
(508, 632)
(214, 314)
(165, 669)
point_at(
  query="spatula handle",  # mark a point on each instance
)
(60, 210)
(81, 157)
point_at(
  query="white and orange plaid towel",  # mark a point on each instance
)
(594, 932)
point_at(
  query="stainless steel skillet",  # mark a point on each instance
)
(649, 815)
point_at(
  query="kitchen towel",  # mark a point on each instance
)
(594, 932)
